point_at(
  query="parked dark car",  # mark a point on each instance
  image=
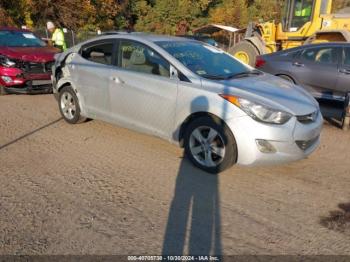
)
(322, 69)
(25, 62)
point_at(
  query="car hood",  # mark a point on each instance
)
(273, 92)
(30, 54)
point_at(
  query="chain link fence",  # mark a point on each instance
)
(72, 38)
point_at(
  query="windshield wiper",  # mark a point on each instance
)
(214, 77)
(237, 75)
(245, 74)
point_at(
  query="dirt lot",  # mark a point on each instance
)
(99, 189)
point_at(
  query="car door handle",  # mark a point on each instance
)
(298, 64)
(344, 71)
(117, 80)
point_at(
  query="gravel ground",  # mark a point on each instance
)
(95, 188)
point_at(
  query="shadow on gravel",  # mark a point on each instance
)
(194, 219)
(338, 220)
(30, 133)
(194, 214)
(332, 111)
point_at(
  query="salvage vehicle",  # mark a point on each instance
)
(220, 110)
(25, 62)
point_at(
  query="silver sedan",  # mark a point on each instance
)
(221, 111)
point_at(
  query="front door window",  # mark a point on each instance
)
(139, 58)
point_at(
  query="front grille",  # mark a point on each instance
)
(48, 66)
(37, 68)
(306, 144)
(310, 118)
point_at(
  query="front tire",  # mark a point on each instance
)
(69, 106)
(345, 116)
(210, 145)
(2, 91)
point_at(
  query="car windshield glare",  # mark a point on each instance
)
(19, 39)
(205, 60)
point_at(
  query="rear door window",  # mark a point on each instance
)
(100, 52)
(294, 54)
(324, 55)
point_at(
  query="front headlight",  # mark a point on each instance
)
(258, 111)
(5, 61)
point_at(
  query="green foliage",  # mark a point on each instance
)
(160, 16)
(172, 16)
(231, 12)
(272, 10)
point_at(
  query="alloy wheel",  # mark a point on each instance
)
(207, 146)
(68, 105)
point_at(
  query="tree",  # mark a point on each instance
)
(160, 16)
(231, 12)
(12, 12)
(271, 10)
(5, 19)
(167, 16)
(72, 14)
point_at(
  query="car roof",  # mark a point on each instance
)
(146, 36)
(317, 45)
(138, 36)
(15, 29)
(194, 36)
(302, 47)
(160, 38)
(325, 44)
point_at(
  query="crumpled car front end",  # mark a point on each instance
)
(29, 77)
(59, 70)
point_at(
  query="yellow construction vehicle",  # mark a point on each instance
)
(303, 21)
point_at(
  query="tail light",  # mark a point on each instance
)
(259, 62)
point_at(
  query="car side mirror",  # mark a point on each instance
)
(174, 73)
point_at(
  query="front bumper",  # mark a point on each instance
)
(31, 87)
(286, 139)
(15, 80)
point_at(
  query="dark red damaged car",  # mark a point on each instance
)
(25, 62)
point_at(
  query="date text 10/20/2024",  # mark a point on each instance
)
(173, 258)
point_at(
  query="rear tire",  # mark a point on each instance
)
(345, 125)
(210, 145)
(345, 116)
(245, 52)
(68, 104)
(2, 91)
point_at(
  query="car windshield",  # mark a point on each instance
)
(205, 60)
(19, 39)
